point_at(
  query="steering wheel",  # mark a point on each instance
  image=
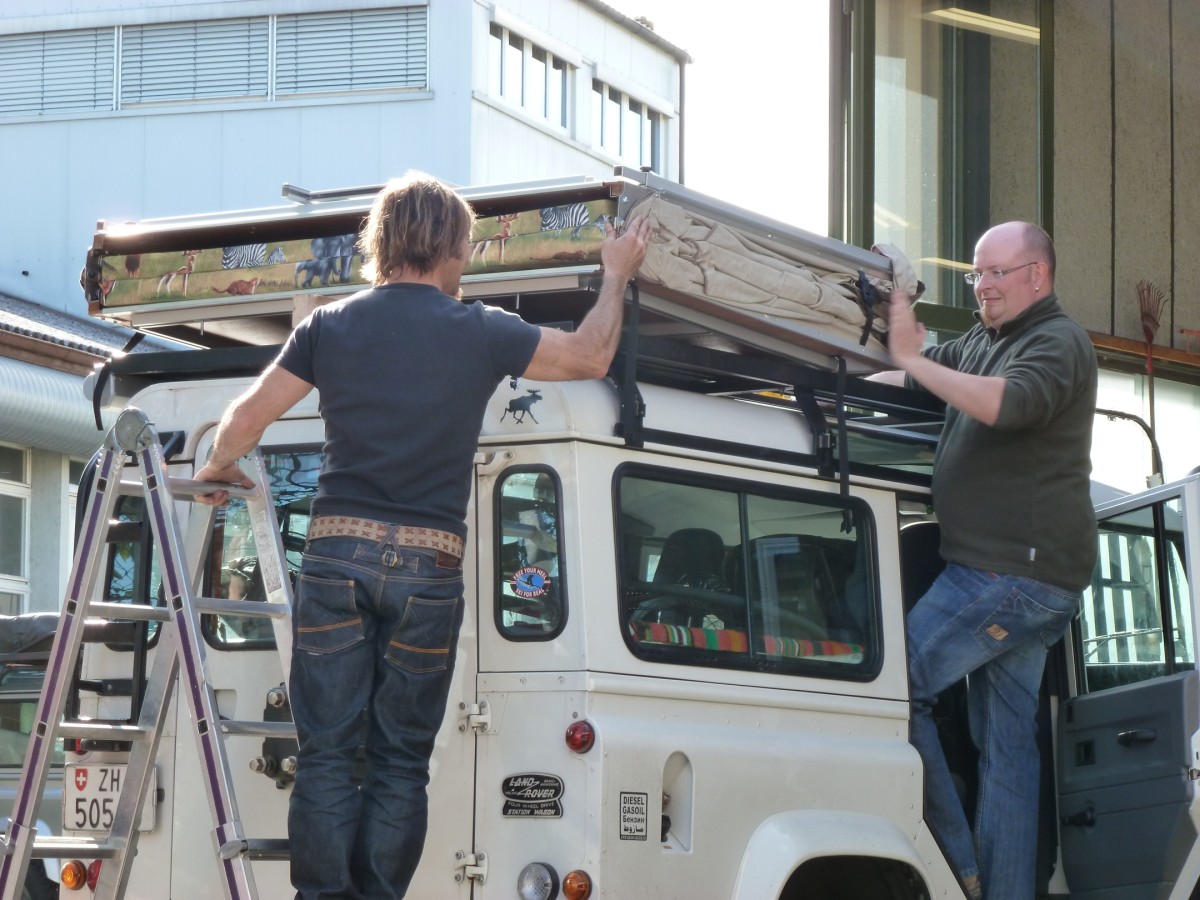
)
(687, 604)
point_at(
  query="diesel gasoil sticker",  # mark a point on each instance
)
(633, 816)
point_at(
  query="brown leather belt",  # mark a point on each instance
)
(371, 530)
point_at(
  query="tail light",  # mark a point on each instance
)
(577, 885)
(73, 875)
(580, 736)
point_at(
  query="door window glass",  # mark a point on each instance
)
(1136, 620)
(531, 590)
(233, 570)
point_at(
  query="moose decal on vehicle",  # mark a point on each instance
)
(523, 406)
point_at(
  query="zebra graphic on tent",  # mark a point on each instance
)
(250, 256)
(575, 216)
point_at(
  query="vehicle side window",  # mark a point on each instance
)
(232, 570)
(733, 576)
(530, 589)
(1135, 622)
(17, 717)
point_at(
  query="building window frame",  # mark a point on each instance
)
(626, 127)
(15, 493)
(929, 76)
(524, 74)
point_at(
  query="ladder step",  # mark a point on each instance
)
(256, 848)
(251, 608)
(258, 729)
(88, 848)
(102, 731)
(186, 488)
(141, 613)
(137, 612)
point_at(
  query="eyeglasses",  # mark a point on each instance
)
(974, 278)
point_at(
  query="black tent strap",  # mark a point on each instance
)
(624, 372)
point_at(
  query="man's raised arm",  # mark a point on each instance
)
(588, 352)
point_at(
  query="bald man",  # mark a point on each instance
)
(1018, 534)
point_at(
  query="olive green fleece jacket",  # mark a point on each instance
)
(1014, 497)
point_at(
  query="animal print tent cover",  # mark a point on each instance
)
(567, 235)
(746, 278)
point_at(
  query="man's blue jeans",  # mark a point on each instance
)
(995, 628)
(376, 627)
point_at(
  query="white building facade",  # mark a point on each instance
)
(123, 111)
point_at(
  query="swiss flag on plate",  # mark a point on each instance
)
(81, 778)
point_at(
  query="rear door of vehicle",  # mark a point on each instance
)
(1128, 754)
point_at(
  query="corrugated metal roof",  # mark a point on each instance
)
(32, 320)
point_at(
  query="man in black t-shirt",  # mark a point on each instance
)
(405, 372)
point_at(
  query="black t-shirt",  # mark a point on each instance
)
(404, 374)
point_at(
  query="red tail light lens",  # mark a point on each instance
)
(93, 874)
(580, 737)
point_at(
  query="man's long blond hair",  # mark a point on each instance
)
(415, 223)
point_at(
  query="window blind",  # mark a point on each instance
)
(57, 71)
(352, 51)
(194, 60)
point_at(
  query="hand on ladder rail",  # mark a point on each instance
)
(229, 478)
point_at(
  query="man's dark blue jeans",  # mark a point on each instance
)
(995, 629)
(376, 627)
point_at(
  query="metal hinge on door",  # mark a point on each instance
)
(476, 716)
(470, 865)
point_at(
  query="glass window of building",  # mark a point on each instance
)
(528, 76)
(943, 134)
(14, 528)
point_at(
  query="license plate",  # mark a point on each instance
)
(90, 795)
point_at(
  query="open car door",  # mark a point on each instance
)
(1129, 741)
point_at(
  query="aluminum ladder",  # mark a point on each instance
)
(132, 443)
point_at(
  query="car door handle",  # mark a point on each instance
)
(1085, 818)
(1137, 736)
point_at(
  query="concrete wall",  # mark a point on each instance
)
(1126, 125)
(1014, 134)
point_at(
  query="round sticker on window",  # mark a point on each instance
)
(530, 581)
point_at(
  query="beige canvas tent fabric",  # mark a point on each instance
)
(710, 260)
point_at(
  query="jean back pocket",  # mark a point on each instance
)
(327, 617)
(425, 637)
